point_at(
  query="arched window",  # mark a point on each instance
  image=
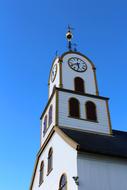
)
(50, 160)
(63, 182)
(91, 111)
(74, 108)
(79, 84)
(41, 177)
(45, 125)
(50, 116)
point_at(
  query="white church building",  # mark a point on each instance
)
(79, 150)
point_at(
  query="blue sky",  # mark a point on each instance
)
(30, 34)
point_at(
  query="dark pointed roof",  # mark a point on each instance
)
(115, 145)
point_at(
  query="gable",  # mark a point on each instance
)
(56, 139)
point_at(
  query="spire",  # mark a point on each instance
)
(69, 36)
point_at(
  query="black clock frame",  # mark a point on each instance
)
(52, 80)
(73, 68)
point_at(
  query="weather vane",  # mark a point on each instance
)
(69, 37)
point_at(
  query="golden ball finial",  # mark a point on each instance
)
(69, 35)
(69, 38)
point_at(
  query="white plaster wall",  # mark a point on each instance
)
(101, 126)
(56, 82)
(53, 103)
(101, 173)
(68, 74)
(64, 161)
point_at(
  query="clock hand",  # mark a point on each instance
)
(74, 63)
(53, 73)
(78, 65)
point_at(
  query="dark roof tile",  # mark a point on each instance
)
(115, 145)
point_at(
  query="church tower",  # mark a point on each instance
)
(74, 124)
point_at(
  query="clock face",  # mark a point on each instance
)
(53, 72)
(77, 64)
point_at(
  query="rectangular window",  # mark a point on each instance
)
(50, 115)
(45, 125)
